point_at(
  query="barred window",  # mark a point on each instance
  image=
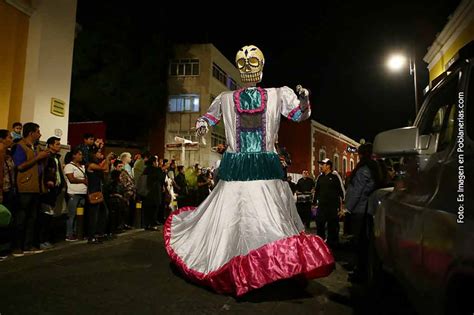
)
(217, 139)
(223, 77)
(336, 162)
(219, 74)
(322, 154)
(183, 103)
(184, 67)
(231, 84)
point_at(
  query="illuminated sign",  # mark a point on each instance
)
(351, 149)
(57, 107)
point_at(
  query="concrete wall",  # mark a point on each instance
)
(13, 41)
(456, 33)
(49, 64)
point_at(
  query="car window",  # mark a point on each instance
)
(440, 113)
(446, 134)
(438, 119)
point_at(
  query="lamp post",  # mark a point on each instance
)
(397, 62)
(413, 73)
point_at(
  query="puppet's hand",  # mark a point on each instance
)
(303, 96)
(202, 127)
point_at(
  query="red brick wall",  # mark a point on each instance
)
(76, 130)
(296, 137)
(332, 146)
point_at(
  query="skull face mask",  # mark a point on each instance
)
(250, 61)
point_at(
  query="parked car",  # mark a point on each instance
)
(422, 230)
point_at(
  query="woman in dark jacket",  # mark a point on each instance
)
(364, 179)
(116, 202)
(155, 180)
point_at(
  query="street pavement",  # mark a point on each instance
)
(133, 275)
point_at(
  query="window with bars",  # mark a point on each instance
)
(224, 78)
(336, 162)
(219, 74)
(217, 139)
(231, 84)
(184, 103)
(184, 67)
(322, 155)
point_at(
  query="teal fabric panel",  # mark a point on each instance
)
(250, 99)
(251, 141)
(250, 166)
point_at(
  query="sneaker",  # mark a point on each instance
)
(33, 250)
(3, 257)
(18, 253)
(71, 239)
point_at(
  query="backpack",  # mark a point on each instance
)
(142, 187)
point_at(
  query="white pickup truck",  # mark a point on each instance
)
(422, 230)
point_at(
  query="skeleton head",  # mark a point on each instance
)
(250, 61)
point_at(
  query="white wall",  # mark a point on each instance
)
(49, 64)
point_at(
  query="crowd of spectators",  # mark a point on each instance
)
(108, 194)
(104, 194)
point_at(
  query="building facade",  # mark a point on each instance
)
(456, 34)
(329, 143)
(309, 142)
(37, 40)
(197, 74)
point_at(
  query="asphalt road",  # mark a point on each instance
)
(132, 275)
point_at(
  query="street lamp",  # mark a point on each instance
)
(396, 63)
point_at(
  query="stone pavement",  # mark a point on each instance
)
(132, 275)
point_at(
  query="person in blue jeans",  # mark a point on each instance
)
(76, 180)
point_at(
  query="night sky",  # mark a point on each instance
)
(337, 49)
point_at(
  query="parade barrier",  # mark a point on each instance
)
(80, 222)
(138, 215)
